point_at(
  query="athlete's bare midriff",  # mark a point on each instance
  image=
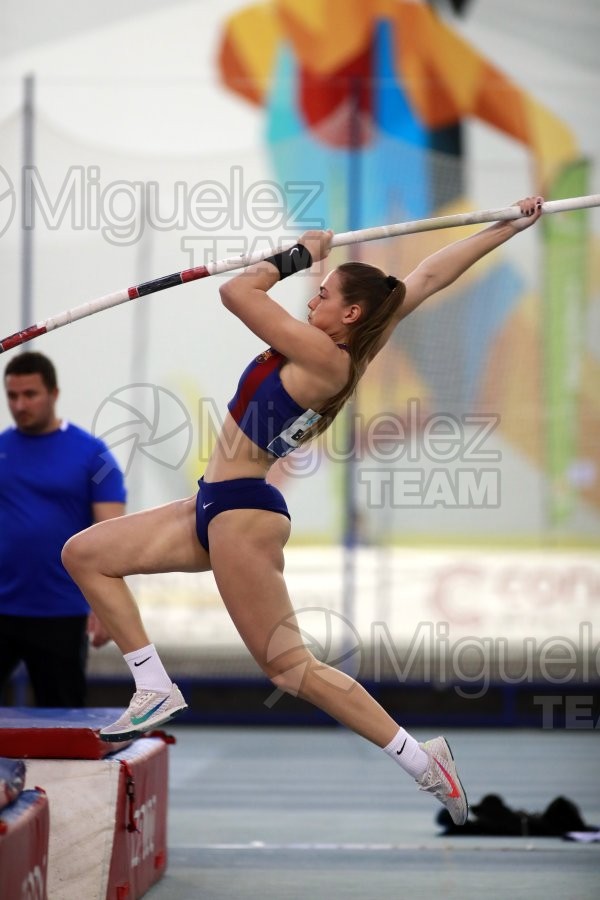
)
(236, 456)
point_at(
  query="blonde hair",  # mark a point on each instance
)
(379, 297)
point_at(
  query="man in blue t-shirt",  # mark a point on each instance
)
(55, 480)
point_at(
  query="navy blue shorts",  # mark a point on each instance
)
(239, 493)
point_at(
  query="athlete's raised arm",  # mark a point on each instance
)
(442, 268)
(246, 296)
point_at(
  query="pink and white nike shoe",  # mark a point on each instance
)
(441, 779)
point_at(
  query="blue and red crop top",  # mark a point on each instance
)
(264, 410)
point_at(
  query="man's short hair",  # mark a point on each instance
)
(31, 363)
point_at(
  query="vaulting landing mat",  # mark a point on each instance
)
(31, 733)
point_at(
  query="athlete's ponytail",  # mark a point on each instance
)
(379, 296)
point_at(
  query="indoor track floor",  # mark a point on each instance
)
(319, 813)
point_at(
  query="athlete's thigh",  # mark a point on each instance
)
(246, 549)
(162, 539)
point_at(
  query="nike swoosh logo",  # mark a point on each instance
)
(398, 752)
(294, 250)
(206, 505)
(142, 661)
(450, 779)
(137, 720)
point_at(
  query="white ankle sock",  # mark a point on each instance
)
(148, 670)
(405, 750)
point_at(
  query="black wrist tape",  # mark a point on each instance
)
(290, 261)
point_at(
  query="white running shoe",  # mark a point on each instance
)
(147, 710)
(441, 779)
